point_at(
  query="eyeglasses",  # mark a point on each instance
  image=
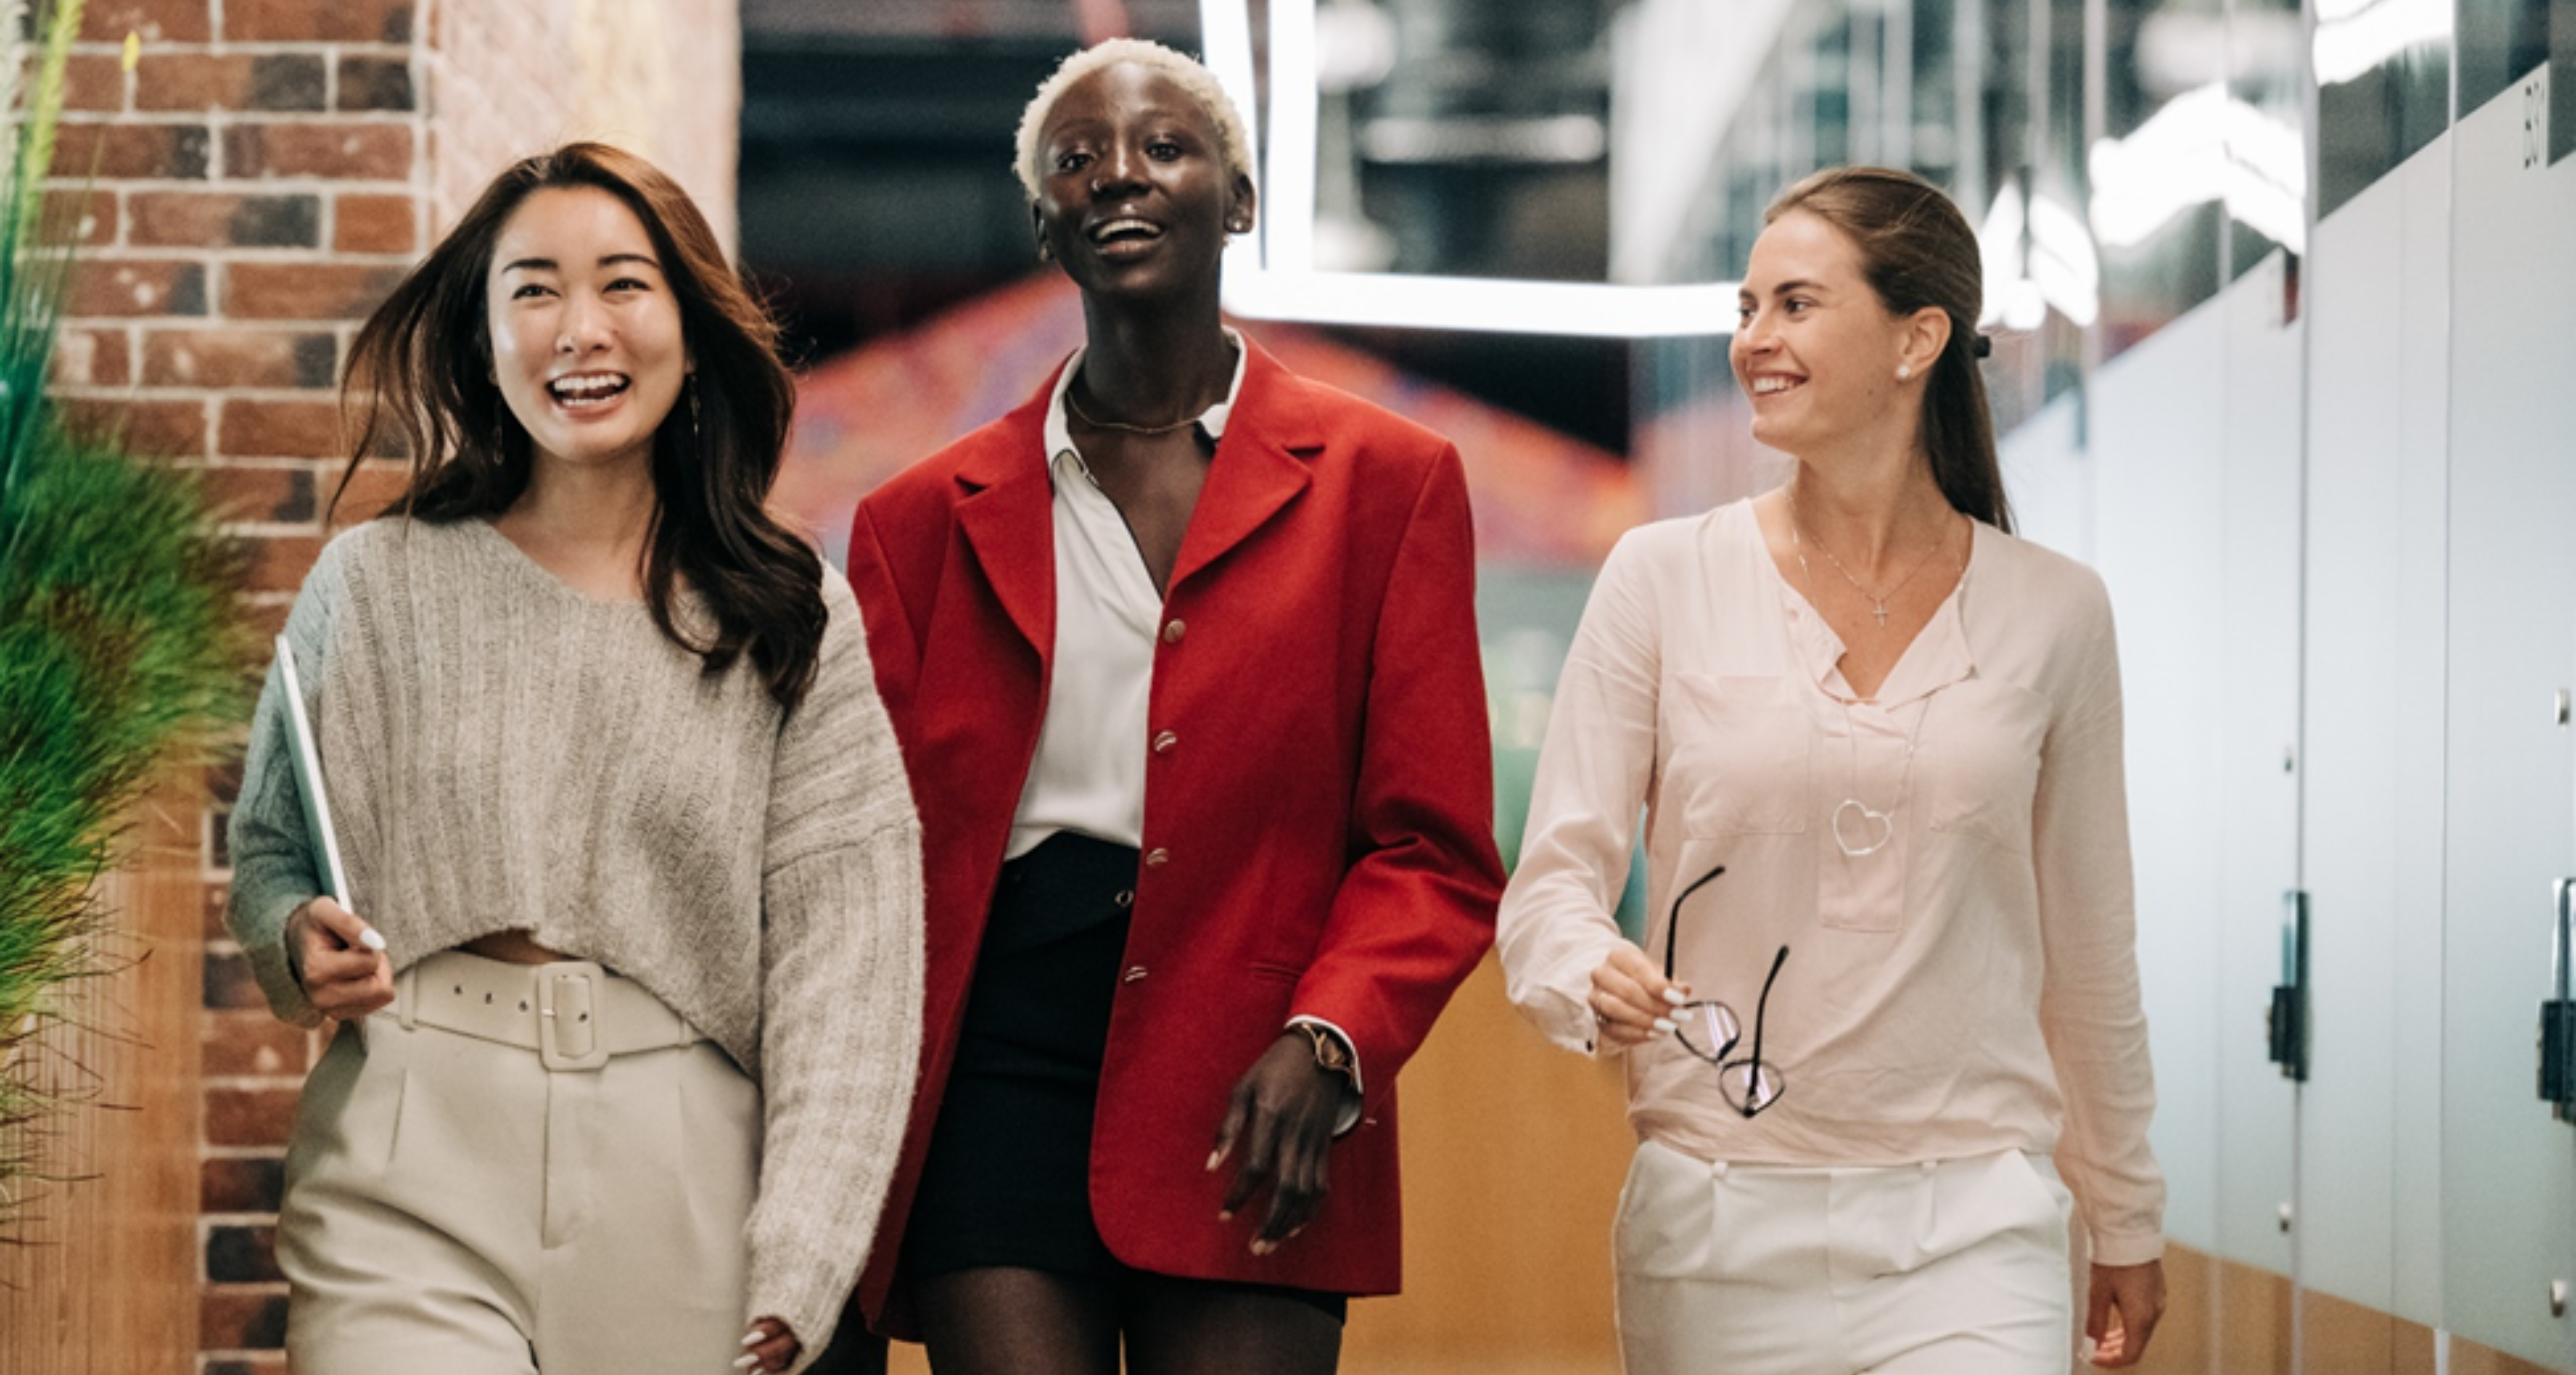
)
(1709, 1029)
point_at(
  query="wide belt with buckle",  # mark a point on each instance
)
(573, 1013)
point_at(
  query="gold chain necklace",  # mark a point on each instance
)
(1085, 417)
(1798, 538)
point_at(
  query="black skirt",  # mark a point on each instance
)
(1007, 1181)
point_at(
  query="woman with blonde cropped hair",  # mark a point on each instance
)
(1182, 653)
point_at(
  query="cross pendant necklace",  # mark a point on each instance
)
(1798, 540)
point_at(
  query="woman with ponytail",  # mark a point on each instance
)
(1884, 1041)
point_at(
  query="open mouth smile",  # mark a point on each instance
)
(588, 390)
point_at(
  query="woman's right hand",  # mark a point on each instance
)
(1631, 1000)
(339, 959)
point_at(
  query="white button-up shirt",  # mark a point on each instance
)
(1089, 774)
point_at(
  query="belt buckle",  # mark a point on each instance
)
(571, 997)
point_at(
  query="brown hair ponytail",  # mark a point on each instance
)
(1916, 250)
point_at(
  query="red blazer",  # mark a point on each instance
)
(1319, 841)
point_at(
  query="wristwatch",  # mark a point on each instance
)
(1331, 1053)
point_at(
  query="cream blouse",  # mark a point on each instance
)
(1971, 985)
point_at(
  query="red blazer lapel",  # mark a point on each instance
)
(1256, 471)
(1007, 516)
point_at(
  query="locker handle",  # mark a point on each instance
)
(2287, 1025)
(2558, 1010)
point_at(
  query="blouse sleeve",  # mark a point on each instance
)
(1594, 769)
(2089, 1006)
(841, 955)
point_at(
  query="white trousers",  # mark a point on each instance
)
(454, 1207)
(1954, 1267)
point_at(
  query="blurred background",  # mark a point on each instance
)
(2282, 298)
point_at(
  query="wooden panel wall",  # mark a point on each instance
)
(101, 1277)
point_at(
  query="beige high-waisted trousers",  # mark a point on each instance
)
(1952, 1267)
(456, 1206)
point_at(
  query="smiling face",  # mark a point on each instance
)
(1135, 198)
(1816, 349)
(586, 338)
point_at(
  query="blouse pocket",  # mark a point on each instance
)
(1734, 758)
(1980, 761)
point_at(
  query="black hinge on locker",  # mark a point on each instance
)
(2558, 1013)
(2288, 1023)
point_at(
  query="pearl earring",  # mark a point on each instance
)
(1904, 372)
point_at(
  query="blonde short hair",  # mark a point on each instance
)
(1198, 81)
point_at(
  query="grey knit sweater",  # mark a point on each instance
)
(503, 752)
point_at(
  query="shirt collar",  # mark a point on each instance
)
(1059, 430)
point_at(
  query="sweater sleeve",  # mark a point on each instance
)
(841, 956)
(272, 856)
(2089, 1007)
(1594, 768)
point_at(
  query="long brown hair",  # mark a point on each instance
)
(1916, 250)
(420, 378)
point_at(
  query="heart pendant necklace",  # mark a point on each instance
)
(1859, 828)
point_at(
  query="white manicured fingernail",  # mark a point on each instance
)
(1676, 996)
(754, 1337)
(1665, 1024)
(371, 939)
(745, 1362)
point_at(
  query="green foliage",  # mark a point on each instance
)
(123, 643)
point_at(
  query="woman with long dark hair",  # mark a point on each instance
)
(1183, 656)
(1886, 1031)
(628, 975)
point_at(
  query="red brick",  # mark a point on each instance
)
(128, 287)
(206, 219)
(87, 216)
(250, 1117)
(155, 21)
(263, 493)
(375, 83)
(236, 1254)
(94, 82)
(306, 291)
(279, 429)
(238, 358)
(114, 151)
(303, 21)
(375, 224)
(241, 1184)
(229, 985)
(351, 152)
(253, 1043)
(93, 358)
(371, 489)
(171, 429)
(279, 562)
(267, 614)
(242, 1318)
(231, 81)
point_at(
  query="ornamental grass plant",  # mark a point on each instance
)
(124, 648)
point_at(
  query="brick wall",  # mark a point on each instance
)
(262, 177)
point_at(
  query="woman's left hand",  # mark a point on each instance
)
(1282, 1113)
(2127, 1302)
(769, 1345)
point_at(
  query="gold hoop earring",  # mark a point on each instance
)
(695, 438)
